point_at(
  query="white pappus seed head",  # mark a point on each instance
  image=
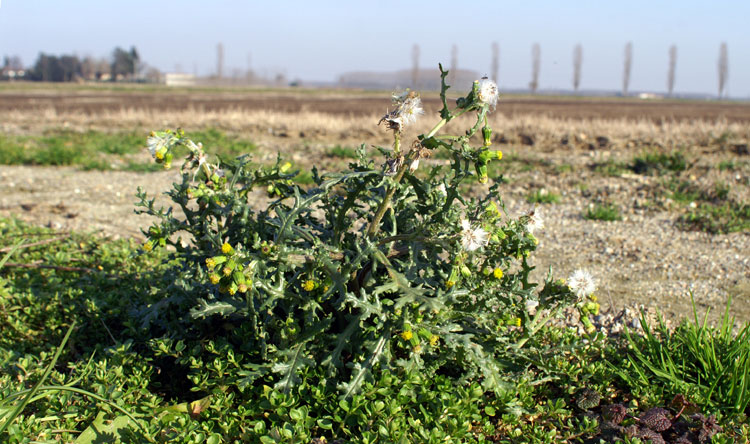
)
(535, 223)
(472, 238)
(582, 283)
(488, 93)
(408, 108)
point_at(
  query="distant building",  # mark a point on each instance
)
(179, 79)
(650, 96)
(8, 73)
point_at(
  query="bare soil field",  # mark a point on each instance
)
(580, 150)
(353, 103)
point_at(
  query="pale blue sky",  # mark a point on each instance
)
(318, 40)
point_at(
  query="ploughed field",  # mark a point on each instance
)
(651, 196)
(357, 103)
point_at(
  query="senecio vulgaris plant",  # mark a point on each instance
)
(373, 267)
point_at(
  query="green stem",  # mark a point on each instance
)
(437, 128)
(372, 230)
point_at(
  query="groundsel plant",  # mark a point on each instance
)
(385, 265)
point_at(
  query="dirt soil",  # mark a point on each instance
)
(642, 259)
(354, 103)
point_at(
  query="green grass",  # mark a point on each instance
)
(727, 217)
(610, 168)
(710, 365)
(605, 212)
(731, 165)
(712, 211)
(344, 152)
(543, 197)
(651, 163)
(95, 150)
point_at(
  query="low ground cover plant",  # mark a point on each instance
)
(378, 304)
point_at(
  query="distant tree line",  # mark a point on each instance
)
(536, 56)
(122, 65)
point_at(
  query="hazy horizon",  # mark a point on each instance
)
(320, 41)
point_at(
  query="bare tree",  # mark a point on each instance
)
(495, 68)
(536, 62)
(219, 60)
(577, 63)
(626, 68)
(723, 67)
(672, 69)
(414, 65)
(454, 64)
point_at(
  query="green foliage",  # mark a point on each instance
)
(543, 197)
(651, 163)
(727, 217)
(603, 211)
(205, 386)
(370, 269)
(95, 150)
(610, 168)
(711, 365)
(343, 152)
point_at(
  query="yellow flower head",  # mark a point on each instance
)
(214, 279)
(308, 285)
(434, 339)
(232, 290)
(449, 284)
(498, 273)
(407, 335)
(148, 246)
(226, 248)
(227, 271)
(210, 263)
(242, 288)
(517, 322)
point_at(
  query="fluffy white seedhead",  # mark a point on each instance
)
(582, 283)
(408, 109)
(536, 222)
(488, 93)
(472, 238)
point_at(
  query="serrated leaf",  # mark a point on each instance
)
(361, 371)
(295, 361)
(206, 309)
(101, 430)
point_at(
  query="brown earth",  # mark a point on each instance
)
(358, 104)
(552, 144)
